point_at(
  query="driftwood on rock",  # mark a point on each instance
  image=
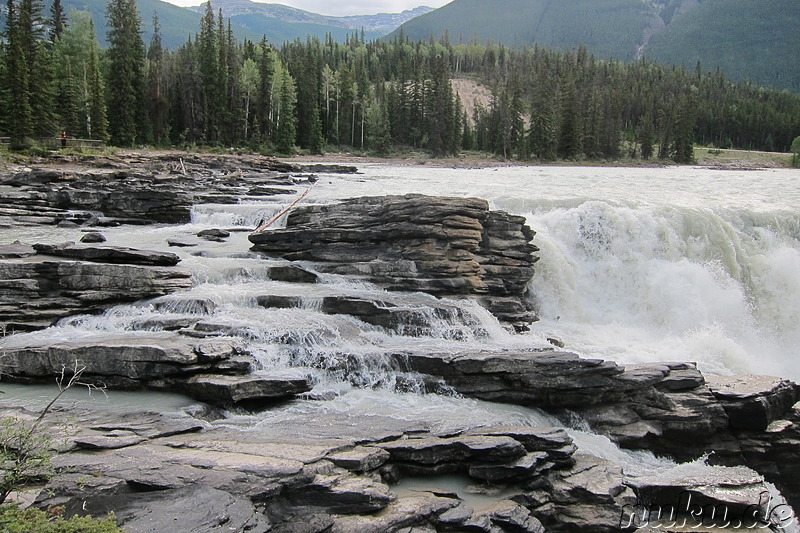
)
(455, 247)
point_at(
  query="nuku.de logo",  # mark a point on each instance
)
(767, 513)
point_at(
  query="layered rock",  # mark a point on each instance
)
(340, 473)
(216, 371)
(140, 189)
(650, 406)
(439, 245)
(44, 283)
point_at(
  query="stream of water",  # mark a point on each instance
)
(636, 265)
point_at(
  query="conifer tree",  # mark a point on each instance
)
(157, 101)
(569, 141)
(98, 123)
(58, 20)
(286, 130)
(682, 146)
(125, 73)
(542, 135)
(19, 116)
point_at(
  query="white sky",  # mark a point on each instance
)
(341, 8)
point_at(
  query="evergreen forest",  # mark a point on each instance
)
(379, 96)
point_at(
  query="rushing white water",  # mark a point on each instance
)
(636, 265)
(647, 264)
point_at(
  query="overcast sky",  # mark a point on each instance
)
(345, 7)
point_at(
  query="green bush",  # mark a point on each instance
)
(796, 152)
(16, 520)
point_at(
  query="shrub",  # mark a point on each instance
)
(16, 520)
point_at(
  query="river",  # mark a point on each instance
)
(637, 264)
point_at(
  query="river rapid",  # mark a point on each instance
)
(637, 265)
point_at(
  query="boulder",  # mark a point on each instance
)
(229, 390)
(214, 234)
(93, 237)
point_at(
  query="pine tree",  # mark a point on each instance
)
(58, 20)
(441, 113)
(286, 130)
(682, 147)
(569, 142)
(645, 136)
(266, 82)
(20, 114)
(125, 73)
(98, 124)
(543, 132)
(208, 55)
(157, 101)
(378, 134)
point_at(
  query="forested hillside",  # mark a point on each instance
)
(757, 40)
(216, 90)
(608, 28)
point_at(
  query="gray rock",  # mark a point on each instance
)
(738, 493)
(228, 390)
(16, 250)
(411, 511)
(753, 402)
(292, 274)
(360, 459)
(38, 290)
(511, 516)
(443, 246)
(156, 360)
(591, 496)
(437, 450)
(93, 237)
(194, 508)
(214, 234)
(109, 441)
(343, 494)
(177, 242)
(108, 254)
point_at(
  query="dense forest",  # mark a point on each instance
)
(215, 90)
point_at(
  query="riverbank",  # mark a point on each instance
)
(705, 157)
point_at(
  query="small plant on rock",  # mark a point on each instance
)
(25, 453)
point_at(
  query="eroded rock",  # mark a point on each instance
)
(439, 245)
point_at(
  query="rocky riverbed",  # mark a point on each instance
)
(376, 270)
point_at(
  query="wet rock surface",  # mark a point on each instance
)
(56, 281)
(216, 370)
(337, 472)
(155, 469)
(438, 245)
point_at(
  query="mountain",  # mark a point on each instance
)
(283, 23)
(757, 40)
(749, 39)
(177, 23)
(609, 28)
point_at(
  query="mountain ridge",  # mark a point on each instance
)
(378, 23)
